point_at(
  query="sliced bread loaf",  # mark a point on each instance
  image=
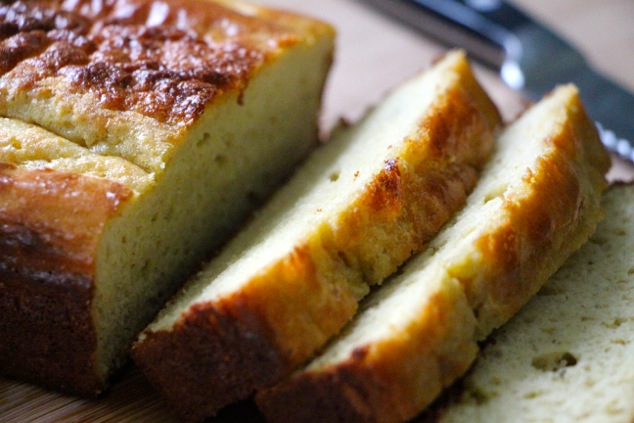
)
(134, 137)
(568, 356)
(537, 201)
(358, 208)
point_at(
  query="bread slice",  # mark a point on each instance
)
(134, 137)
(537, 201)
(568, 356)
(347, 219)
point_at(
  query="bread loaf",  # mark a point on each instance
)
(568, 356)
(135, 135)
(347, 219)
(536, 202)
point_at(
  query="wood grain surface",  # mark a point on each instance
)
(374, 53)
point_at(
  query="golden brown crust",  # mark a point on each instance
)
(387, 381)
(554, 218)
(419, 191)
(220, 352)
(131, 78)
(49, 236)
(54, 219)
(393, 379)
(300, 301)
(166, 61)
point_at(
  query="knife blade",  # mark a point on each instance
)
(530, 57)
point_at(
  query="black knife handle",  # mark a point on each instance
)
(485, 28)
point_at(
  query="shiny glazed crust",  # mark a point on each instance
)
(392, 380)
(222, 351)
(127, 79)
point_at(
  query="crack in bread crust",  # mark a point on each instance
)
(136, 55)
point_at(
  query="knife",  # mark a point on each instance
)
(530, 57)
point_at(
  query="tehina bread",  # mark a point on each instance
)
(568, 356)
(536, 202)
(134, 137)
(348, 218)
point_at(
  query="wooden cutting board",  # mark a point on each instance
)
(373, 54)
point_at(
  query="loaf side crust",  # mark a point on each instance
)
(223, 350)
(49, 237)
(394, 378)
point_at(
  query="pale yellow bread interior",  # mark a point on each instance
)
(353, 212)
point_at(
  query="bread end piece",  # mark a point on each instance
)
(52, 234)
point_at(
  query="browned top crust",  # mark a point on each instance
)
(164, 60)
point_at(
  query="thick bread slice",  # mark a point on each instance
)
(350, 216)
(134, 137)
(568, 356)
(537, 201)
